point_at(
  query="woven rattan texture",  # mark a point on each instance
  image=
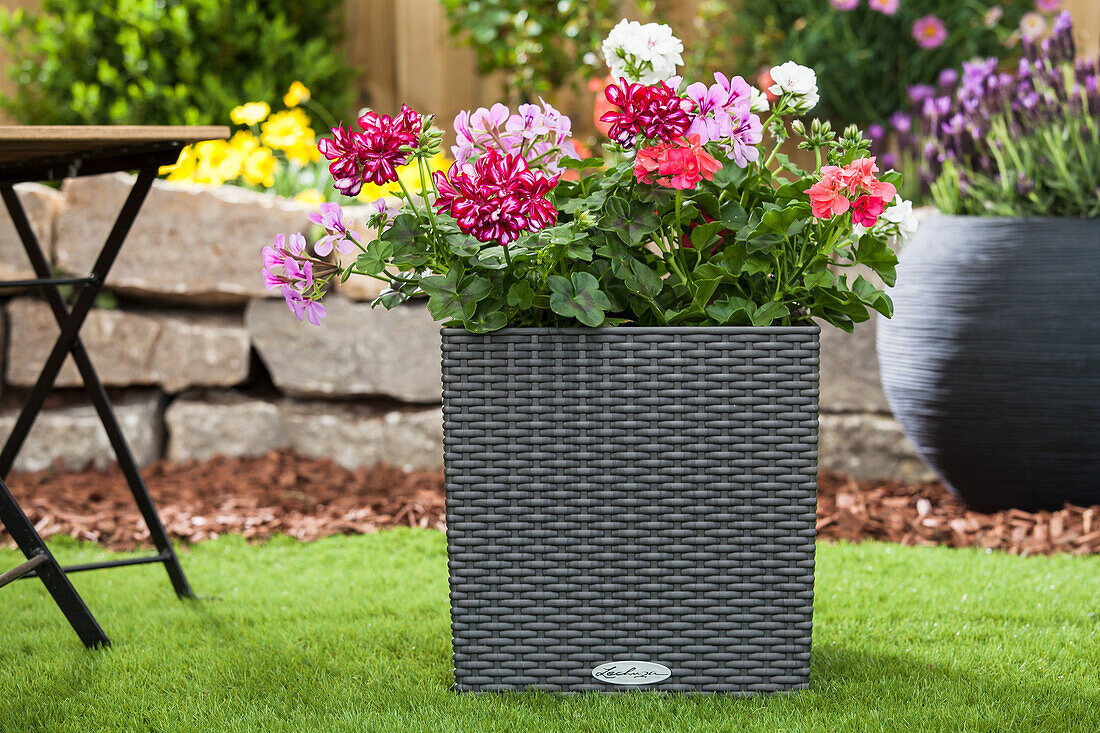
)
(631, 494)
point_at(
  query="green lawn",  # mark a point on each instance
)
(351, 633)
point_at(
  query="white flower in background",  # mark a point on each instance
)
(758, 101)
(642, 53)
(901, 214)
(798, 81)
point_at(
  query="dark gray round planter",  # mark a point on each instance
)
(631, 508)
(992, 360)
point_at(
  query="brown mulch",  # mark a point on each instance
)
(927, 514)
(278, 493)
(284, 493)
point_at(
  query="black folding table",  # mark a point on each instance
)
(52, 153)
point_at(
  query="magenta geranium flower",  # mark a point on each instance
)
(929, 32)
(496, 199)
(373, 154)
(655, 112)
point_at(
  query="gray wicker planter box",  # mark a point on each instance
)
(631, 508)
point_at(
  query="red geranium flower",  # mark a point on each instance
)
(681, 164)
(497, 199)
(373, 154)
(655, 112)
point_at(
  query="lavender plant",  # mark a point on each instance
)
(995, 143)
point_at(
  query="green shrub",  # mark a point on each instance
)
(537, 44)
(170, 61)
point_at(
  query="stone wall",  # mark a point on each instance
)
(201, 361)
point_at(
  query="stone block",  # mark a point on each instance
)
(868, 447)
(204, 424)
(171, 349)
(849, 371)
(72, 434)
(358, 351)
(41, 204)
(188, 244)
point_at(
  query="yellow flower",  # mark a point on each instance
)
(286, 129)
(184, 168)
(311, 197)
(303, 153)
(243, 142)
(259, 167)
(297, 94)
(407, 174)
(249, 114)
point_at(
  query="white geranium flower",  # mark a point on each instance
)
(758, 101)
(798, 81)
(642, 53)
(901, 213)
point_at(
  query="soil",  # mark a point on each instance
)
(306, 498)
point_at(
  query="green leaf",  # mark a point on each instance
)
(766, 314)
(578, 297)
(579, 251)
(521, 295)
(375, 259)
(630, 226)
(877, 255)
(733, 216)
(464, 245)
(580, 165)
(704, 236)
(453, 297)
(873, 297)
(731, 311)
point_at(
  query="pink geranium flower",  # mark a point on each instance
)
(827, 196)
(680, 164)
(859, 177)
(497, 198)
(844, 5)
(886, 7)
(929, 32)
(867, 209)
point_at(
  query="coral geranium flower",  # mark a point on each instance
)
(827, 197)
(680, 164)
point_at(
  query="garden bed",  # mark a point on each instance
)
(284, 493)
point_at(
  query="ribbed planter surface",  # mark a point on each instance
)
(992, 360)
(631, 508)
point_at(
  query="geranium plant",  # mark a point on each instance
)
(692, 217)
(996, 143)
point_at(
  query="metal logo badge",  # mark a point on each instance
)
(630, 672)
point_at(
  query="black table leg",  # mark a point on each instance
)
(42, 562)
(69, 342)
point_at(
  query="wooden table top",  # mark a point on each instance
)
(31, 142)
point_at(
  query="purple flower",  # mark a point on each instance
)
(537, 134)
(719, 108)
(929, 32)
(920, 92)
(304, 308)
(901, 122)
(947, 79)
(288, 268)
(876, 131)
(331, 217)
(749, 133)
